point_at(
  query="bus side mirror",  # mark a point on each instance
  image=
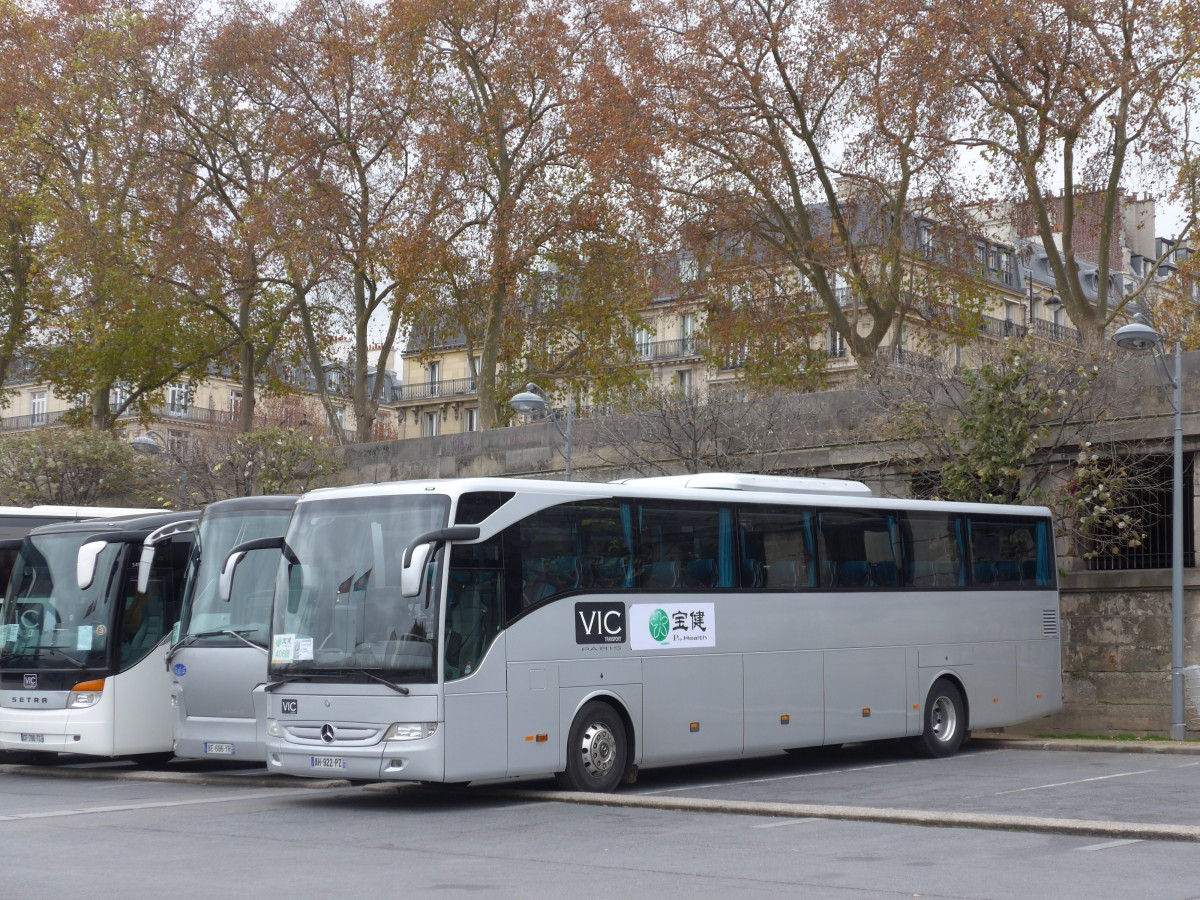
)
(234, 559)
(416, 555)
(225, 581)
(165, 533)
(85, 563)
(412, 577)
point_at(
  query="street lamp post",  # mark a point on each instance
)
(1140, 336)
(533, 402)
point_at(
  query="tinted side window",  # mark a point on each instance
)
(474, 605)
(685, 546)
(935, 551)
(777, 548)
(1010, 553)
(576, 546)
(475, 506)
(858, 550)
(145, 618)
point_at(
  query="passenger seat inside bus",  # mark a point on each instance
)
(611, 572)
(851, 573)
(662, 574)
(151, 629)
(700, 573)
(466, 630)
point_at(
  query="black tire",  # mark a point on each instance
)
(597, 751)
(945, 722)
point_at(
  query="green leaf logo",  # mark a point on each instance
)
(660, 625)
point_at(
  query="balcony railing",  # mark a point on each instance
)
(670, 349)
(196, 415)
(912, 361)
(1063, 334)
(431, 390)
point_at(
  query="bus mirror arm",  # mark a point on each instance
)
(234, 559)
(416, 554)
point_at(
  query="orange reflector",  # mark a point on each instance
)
(867, 712)
(529, 738)
(785, 720)
(1039, 696)
(995, 699)
(97, 685)
(542, 738)
(694, 726)
(916, 706)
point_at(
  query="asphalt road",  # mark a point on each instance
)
(81, 832)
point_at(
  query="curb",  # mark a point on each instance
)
(1180, 748)
(201, 778)
(922, 818)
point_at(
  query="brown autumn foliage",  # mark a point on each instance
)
(821, 131)
(1069, 102)
(180, 186)
(527, 120)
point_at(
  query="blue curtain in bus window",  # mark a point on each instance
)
(888, 571)
(810, 541)
(960, 538)
(725, 565)
(627, 526)
(1043, 555)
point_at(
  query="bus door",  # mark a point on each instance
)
(473, 662)
(145, 618)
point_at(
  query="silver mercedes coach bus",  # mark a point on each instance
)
(447, 631)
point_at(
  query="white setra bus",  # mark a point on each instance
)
(448, 631)
(85, 624)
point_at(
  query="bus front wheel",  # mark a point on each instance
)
(597, 751)
(945, 722)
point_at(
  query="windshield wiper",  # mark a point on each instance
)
(398, 688)
(270, 686)
(188, 639)
(342, 672)
(63, 653)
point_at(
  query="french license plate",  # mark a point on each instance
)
(327, 762)
(218, 749)
(32, 738)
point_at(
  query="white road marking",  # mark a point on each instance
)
(786, 822)
(698, 787)
(1097, 778)
(1108, 844)
(1080, 781)
(163, 804)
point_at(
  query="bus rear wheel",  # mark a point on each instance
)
(597, 751)
(945, 723)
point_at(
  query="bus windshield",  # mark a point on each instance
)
(205, 615)
(46, 616)
(338, 606)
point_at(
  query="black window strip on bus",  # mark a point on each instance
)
(620, 546)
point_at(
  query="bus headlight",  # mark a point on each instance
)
(410, 731)
(86, 693)
(273, 729)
